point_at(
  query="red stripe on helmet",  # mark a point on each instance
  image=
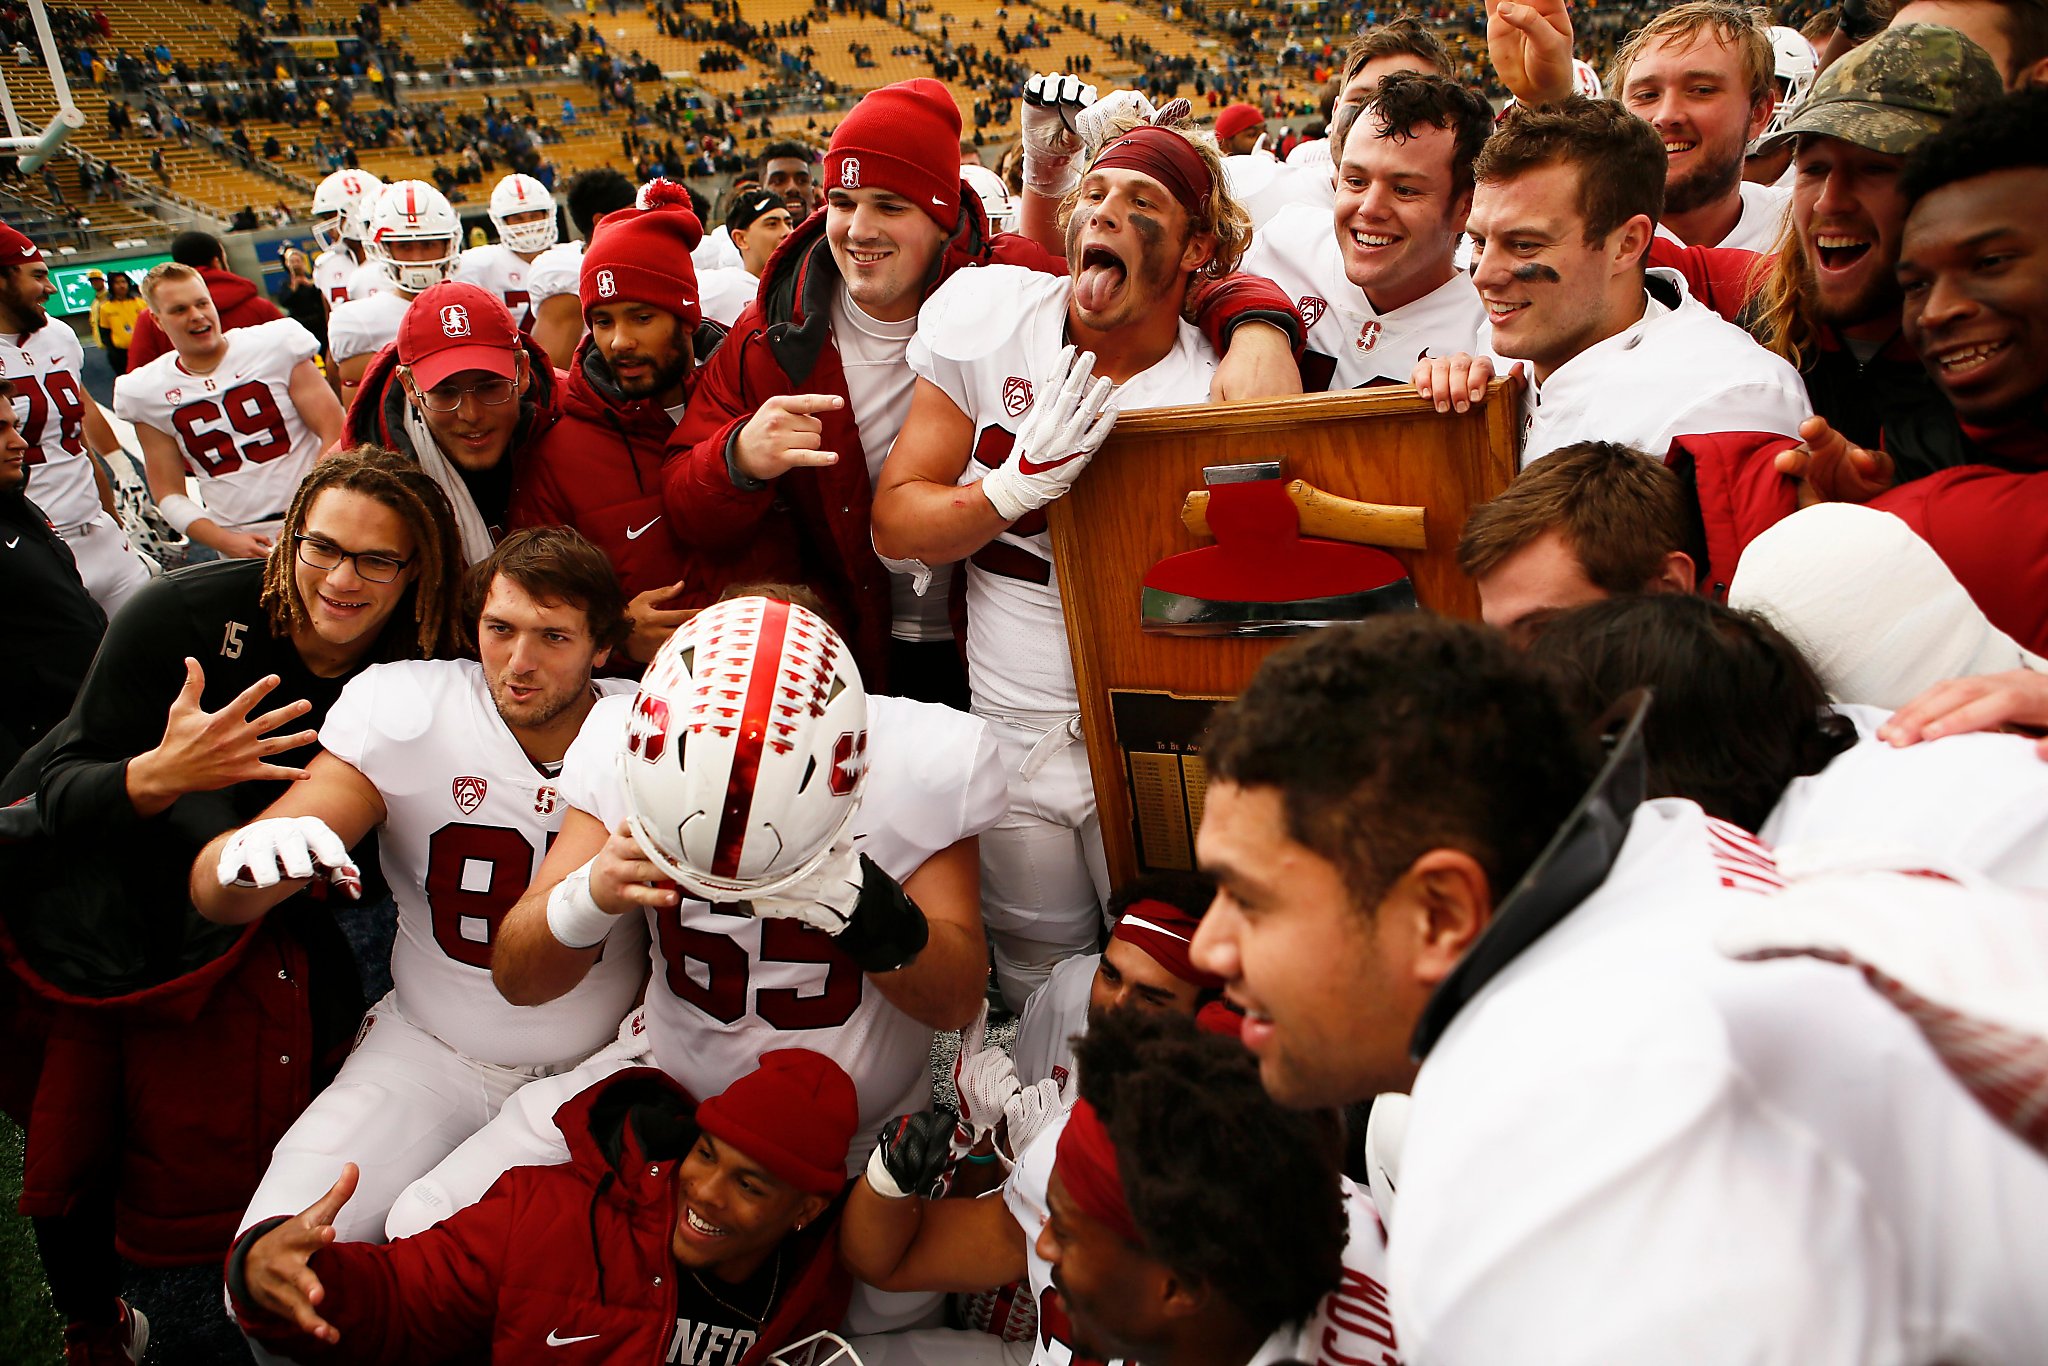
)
(756, 712)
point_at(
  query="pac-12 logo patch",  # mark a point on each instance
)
(1369, 335)
(1312, 309)
(469, 794)
(1016, 396)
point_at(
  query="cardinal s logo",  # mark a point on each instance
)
(607, 286)
(849, 173)
(647, 728)
(455, 321)
(1369, 335)
(469, 794)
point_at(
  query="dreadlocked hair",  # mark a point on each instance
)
(434, 598)
(1229, 1189)
(1220, 214)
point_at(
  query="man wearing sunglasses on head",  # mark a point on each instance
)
(465, 394)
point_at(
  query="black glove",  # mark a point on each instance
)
(887, 931)
(910, 1156)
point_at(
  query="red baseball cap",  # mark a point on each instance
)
(453, 327)
(1235, 119)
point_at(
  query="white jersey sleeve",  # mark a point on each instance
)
(716, 251)
(558, 270)
(1351, 344)
(1018, 660)
(727, 987)
(502, 271)
(239, 431)
(365, 326)
(724, 293)
(369, 278)
(45, 367)
(331, 270)
(1050, 1020)
(468, 818)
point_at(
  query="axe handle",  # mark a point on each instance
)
(1332, 518)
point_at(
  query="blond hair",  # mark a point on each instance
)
(1746, 30)
(1780, 313)
(1219, 215)
(169, 270)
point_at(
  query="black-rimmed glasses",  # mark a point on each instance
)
(326, 556)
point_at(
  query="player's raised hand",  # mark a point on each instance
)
(1959, 706)
(1068, 424)
(623, 878)
(295, 848)
(649, 625)
(1053, 104)
(278, 1271)
(1530, 42)
(205, 751)
(1833, 469)
(1452, 382)
(984, 1079)
(783, 434)
(1098, 121)
(911, 1154)
(1026, 1115)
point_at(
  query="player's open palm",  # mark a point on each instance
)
(205, 751)
(1068, 424)
(279, 1274)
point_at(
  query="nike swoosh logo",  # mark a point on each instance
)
(1026, 465)
(16, 541)
(555, 1338)
(634, 533)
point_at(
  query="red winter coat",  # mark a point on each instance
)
(560, 1264)
(236, 300)
(782, 344)
(599, 470)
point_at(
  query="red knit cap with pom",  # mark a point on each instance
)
(904, 138)
(642, 255)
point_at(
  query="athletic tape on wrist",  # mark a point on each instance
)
(880, 1178)
(180, 511)
(574, 917)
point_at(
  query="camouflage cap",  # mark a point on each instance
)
(1891, 93)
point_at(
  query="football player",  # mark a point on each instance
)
(412, 232)
(1002, 422)
(757, 223)
(59, 420)
(338, 231)
(454, 763)
(523, 212)
(246, 411)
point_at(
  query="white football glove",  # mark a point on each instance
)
(1067, 426)
(1099, 120)
(824, 898)
(984, 1079)
(267, 852)
(1052, 147)
(1028, 1112)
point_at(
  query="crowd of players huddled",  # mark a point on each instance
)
(499, 898)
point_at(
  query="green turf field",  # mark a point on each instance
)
(29, 1331)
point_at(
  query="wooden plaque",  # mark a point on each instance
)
(1145, 696)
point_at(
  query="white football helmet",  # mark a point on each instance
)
(1796, 66)
(523, 194)
(746, 749)
(1585, 80)
(413, 211)
(994, 195)
(335, 207)
(823, 1348)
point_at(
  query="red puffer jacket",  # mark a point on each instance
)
(559, 1264)
(782, 344)
(599, 470)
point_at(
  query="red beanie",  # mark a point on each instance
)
(904, 138)
(795, 1114)
(643, 255)
(16, 249)
(1235, 119)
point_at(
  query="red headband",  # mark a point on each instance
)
(1086, 1162)
(1165, 934)
(1167, 157)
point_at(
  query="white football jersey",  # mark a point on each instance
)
(727, 987)
(558, 270)
(1024, 1196)
(331, 272)
(237, 427)
(1681, 370)
(369, 278)
(1350, 345)
(1354, 1322)
(1056, 1012)
(725, 292)
(502, 271)
(716, 251)
(49, 406)
(468, 818)
(1017, 659)
(365, 326)
(1762, 220)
